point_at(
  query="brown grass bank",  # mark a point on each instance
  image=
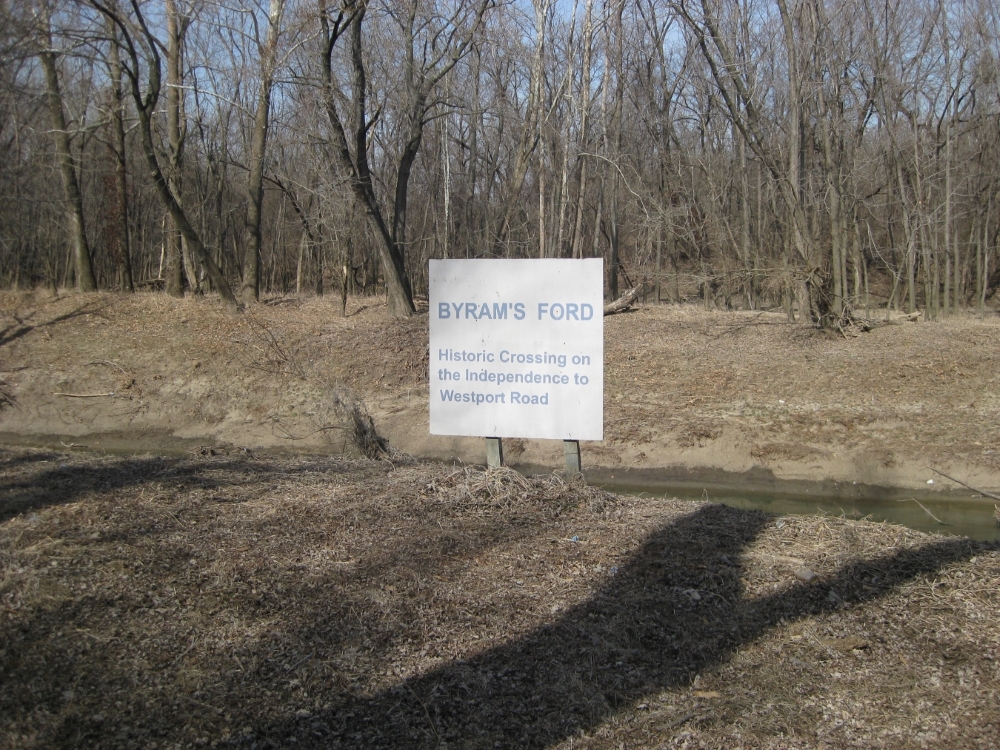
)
(250, 602)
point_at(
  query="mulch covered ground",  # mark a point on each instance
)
(243, 601)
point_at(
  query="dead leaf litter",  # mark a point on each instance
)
(234, 600)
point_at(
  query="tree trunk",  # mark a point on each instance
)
(541, 199)
(178, 216)
(446, 168)
(123, 245)
(598, 219)
(613, 249)
(617, 129)
(176, 27)
(145, 99)
(250, 290)
(745, 224)
(400, 297)
(303, 250)
(588, 43)
(659, 257)
(820, 287)
(534, 119)
(957, 293)
(82, 265)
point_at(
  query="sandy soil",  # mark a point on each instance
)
(732, 397)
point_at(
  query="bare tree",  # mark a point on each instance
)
(142, 55)
(119, 210)
(424, 66)
(828, 155)
(76, 228)
(268, 53)
(530, 132)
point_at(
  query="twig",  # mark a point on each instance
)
(426, 713)
(967, 486)
(680, 721)
(86, 395)
(287, 434)
(833, 653)
(929, 513)
(110, 364)
(300, 662)
(190, 645)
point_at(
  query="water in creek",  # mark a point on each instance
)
(962, 514)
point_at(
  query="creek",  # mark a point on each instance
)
(954, 512)
(960, 513)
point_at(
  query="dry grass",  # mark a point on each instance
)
(236, 600)
(250, 602)
(920, 391)
(473, 491)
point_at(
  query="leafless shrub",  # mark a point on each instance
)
(363, 434)
(265, 349)
(6, 395)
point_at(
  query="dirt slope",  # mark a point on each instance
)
(692, 391)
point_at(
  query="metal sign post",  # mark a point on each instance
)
(494, 453)
(572, 450)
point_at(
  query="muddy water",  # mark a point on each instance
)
(959, 513)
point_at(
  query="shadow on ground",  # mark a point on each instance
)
(66, 482)
(23, 326)
(674, 611)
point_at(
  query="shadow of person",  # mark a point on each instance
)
(59, 484)
(676, 609)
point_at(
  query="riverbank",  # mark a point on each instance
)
(740, 398)
(222, 572)
(245, 601)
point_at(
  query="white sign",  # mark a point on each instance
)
(517, 348)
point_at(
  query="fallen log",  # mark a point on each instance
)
(967, 486)
(870, 324)
(624, 302)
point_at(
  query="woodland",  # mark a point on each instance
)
(824, 157)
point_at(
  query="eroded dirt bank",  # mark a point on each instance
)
(743, 396)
